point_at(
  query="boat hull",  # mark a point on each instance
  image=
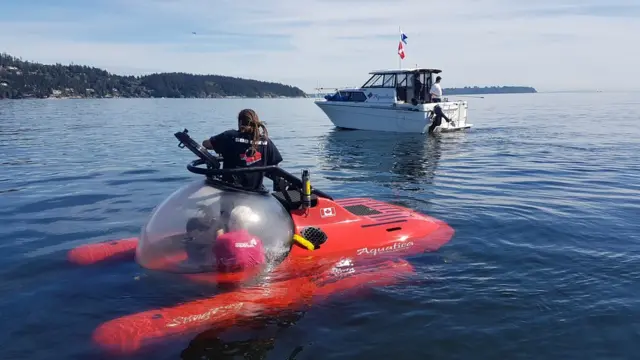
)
(400, 117)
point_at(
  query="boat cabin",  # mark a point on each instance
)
(391, 86)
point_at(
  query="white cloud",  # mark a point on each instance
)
(564, 44)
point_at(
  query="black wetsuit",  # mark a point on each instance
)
(235, 148)
(417, 85)
(437, 120)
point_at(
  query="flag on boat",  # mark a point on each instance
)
(401, 50)
(403, 37)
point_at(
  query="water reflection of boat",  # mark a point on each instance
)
(379, 157)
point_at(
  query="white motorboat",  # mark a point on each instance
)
(389, 101)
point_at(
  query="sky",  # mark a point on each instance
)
(548, 44)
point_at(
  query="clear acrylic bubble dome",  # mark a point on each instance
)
(180, 233)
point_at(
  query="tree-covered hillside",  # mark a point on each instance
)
(23, 79)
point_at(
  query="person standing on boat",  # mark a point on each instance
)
(436, 91)
(417, 86)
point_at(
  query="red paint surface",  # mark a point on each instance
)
(93, 253)
(397, 231)
(375, 243)
(128, 334)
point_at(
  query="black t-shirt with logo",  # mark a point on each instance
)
(235, 148)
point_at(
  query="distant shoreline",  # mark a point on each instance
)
(21, 79)
(155, 98)
(488, 90)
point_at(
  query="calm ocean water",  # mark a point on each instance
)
(543, 192)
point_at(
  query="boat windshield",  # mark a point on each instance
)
(381, 81)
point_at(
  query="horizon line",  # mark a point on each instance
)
(152, 72)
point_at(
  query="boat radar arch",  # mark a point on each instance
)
(405, 71)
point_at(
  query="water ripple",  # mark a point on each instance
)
(544, 263)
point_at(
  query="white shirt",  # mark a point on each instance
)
(436, 90)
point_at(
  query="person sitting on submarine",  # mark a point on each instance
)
(237, 249)
(249, 146)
